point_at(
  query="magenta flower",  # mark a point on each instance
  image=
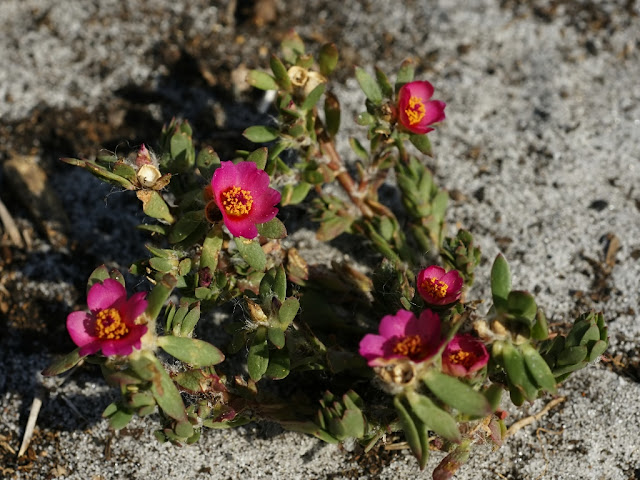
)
(415, 111)
(439, 287)
(403, 336)
(243, 195)
(110, 325)
(464, 355)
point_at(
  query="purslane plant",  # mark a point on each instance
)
(318, 343)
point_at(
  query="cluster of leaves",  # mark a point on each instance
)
(297, 319)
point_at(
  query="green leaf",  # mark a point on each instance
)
(104, 174)
(101, 273)
(540, 329)
(522, 306)
(369, 86)
(260, 134)
(288, 311)
(294, 194)
(119, 419)
(434, 417)
(261, 80)
(206, 161)
(500, 282)
(276, 337)
(313, 97)
(252, 253)
(162, 387)
(365, 119)
(125, 171)
(211, 248)
(538, 368)
(592, 335)
(197, 353)
(154, 205)
(598, 349)
(572, 356)
(259, 157)
(279, 364)
(159, 295)
(190, 320)
(280, 283)
(358, 149)
(421, 142)
(493, 394)
(274, 228)
(514, 365)
(185, 225)
(153, 228)
(64, 363)
(258, 358)
(183, 429)
(405, 74)
(280, 72)
(292, 46)
(328, 58)
(182, 152)
(383, 83)
(415, 432)
(332, 114)
(457, 394)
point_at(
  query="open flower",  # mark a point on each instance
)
(243, 195)
(110, 325)
(439, 287)
(464, 355)
(403, 336)
(415, 111)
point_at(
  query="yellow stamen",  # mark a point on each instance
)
(236, 201)
(435, 287)
(109, 325)
(466, 359)
(415, 111)
(410, 346)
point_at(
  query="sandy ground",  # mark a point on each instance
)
(541, 146)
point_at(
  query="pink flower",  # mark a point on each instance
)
(415, 111)
(110, 325)
(243, 195)
(464, 355)
(403, 336)
(439, 287)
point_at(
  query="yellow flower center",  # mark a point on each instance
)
(236, 201)
(415, 111)
(466, 359)
(410, 346)
(109, 325)
(435, 287)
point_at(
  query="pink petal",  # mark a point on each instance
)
(241, 228)
(432, 271)
(372, 346)
(225, 176)
(420, 89)
(134, 307)
(453, 280)
(124, 346)
(90, 349)
(252, 178)
(427, 326)
(103, 295)
(79, 326)
(395, 325)
(434, 112)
